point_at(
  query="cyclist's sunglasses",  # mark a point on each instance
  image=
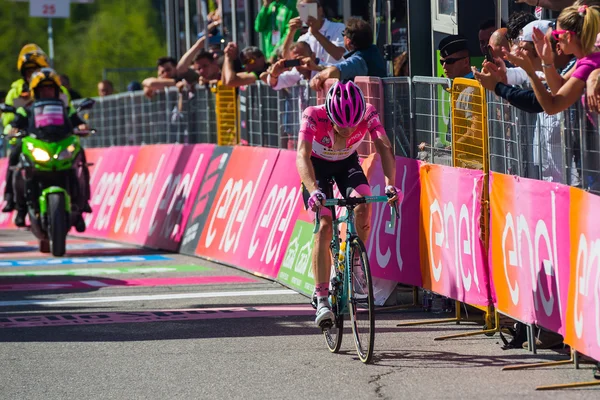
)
(450, 61)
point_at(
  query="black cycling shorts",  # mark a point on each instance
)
(347, 174)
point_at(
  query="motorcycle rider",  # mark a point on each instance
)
(31, 58)
(45, 84)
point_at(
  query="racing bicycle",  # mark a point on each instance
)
(351, 285)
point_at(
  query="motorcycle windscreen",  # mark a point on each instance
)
(49, 114)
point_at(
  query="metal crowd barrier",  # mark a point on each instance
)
(415, 112)
(432, 119)
(168, 117)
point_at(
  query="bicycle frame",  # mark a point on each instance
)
(350, 204)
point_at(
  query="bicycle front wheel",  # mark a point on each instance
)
(362, 305)
(333, 335)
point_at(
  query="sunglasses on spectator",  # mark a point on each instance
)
(556, 34)
(450, 61)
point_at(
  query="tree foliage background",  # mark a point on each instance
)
(103, 34)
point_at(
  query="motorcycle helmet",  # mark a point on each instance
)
(30, 48)
(32, 60)
(44, 77)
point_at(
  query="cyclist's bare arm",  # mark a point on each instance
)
(304, 166)
(388, 161)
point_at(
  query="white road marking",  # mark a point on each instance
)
(115, 299)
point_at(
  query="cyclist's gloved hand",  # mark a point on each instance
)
(394, 194)
(316, 200)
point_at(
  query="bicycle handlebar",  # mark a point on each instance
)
(354, 201)
(84, 132)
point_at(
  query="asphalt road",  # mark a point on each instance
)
(118, 322)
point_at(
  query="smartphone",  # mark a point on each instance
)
(291, 63)
(488, 54)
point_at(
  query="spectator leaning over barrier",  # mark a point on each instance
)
(486, 30)
(516, 22)
(523, 45)
(66, 82)
(576, 31)
(166, 69)
(282, 77)
(252, 60)
(203, 63)
(499, 41)
(546, 149)
(272, 23)
(324, 37)
(363, 57)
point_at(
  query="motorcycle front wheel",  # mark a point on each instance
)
(57, 224)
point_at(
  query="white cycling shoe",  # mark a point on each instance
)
(324, 316)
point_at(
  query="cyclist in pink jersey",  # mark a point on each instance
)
(329, 137)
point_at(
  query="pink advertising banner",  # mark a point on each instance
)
(453, 261)
(583, 307)
(176, 196)
(6, 219)
(266, 239)
(394, 254)
(109, 176)
(238, 200)
(529, 249)
(139, 196)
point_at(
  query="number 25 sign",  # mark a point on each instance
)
(50, 8)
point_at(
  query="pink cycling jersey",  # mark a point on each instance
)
(317, 128)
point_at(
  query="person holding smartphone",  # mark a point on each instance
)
(324, 37)
(288, 72)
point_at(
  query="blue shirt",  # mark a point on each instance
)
(366, 62)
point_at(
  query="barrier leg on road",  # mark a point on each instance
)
(457, 319)
(492, 319)
(569, 385)
(572, 360)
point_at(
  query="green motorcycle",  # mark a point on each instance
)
(48, 175)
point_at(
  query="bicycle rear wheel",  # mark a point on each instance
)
(362, 305)
(333, 335)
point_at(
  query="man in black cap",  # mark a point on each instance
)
(454, 57)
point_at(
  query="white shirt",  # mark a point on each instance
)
(333, 32)
(518, 77)
(288, 79)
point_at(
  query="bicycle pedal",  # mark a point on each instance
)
(326, 325)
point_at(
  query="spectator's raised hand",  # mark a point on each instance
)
(183, 85)
(593, 91)
(486, 78)
(231, 50)
(520, 60)
(313, 24)
(317, 82)
(307, 63)
(295, 24)
(278, 68)
(497, 68)
(543, 46)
